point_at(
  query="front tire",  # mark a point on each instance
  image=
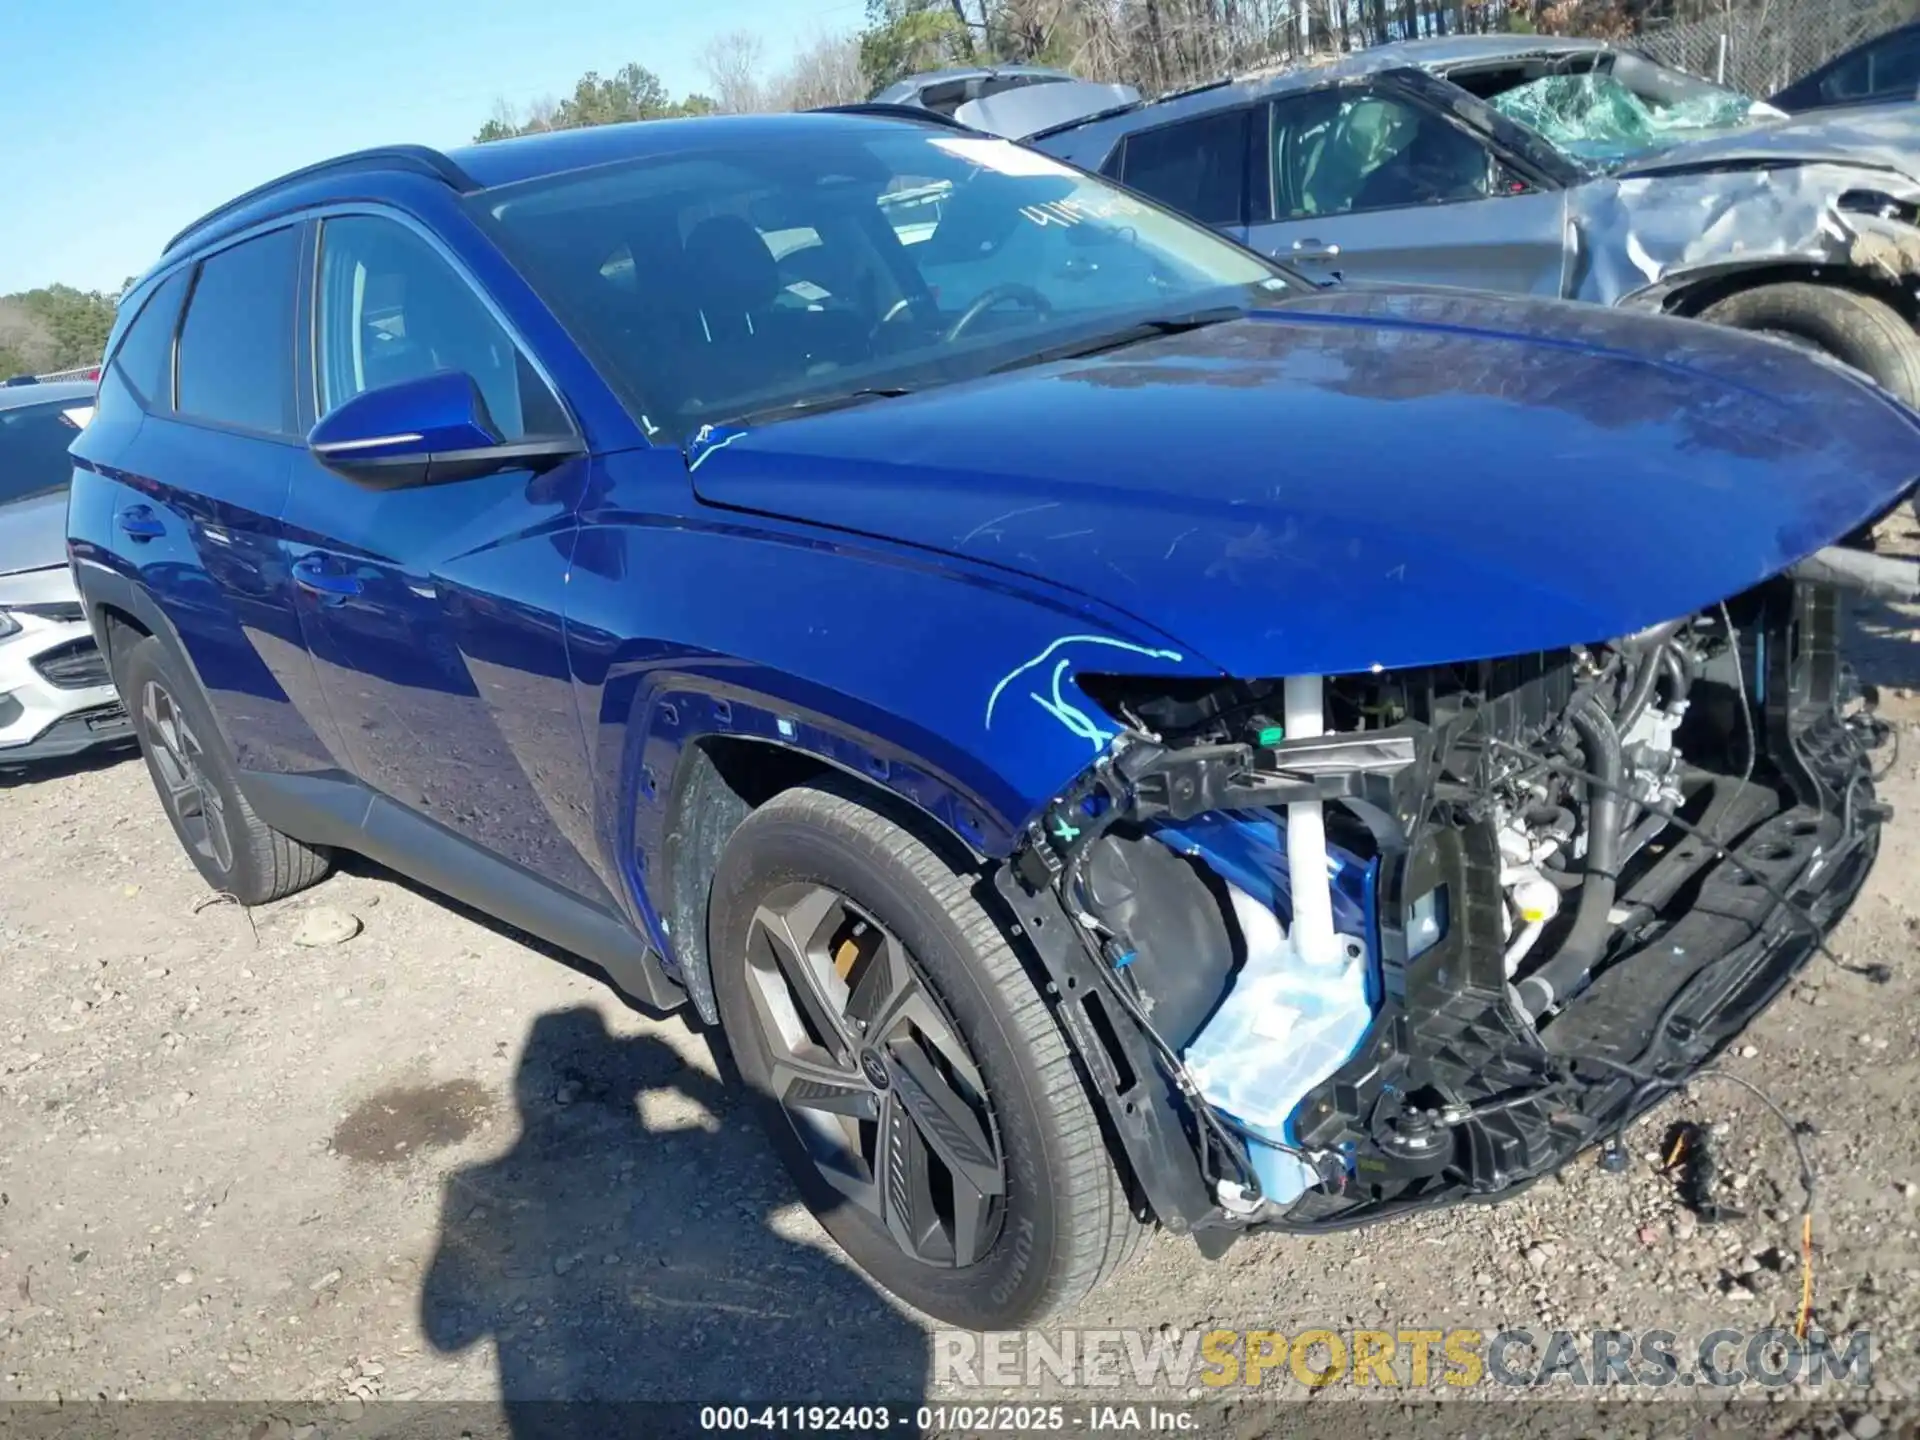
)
(235, 852)
(907, 1067)
(1855, 329)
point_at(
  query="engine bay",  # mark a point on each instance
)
(1554, 886)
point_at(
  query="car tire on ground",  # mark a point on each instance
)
(875, 1009)
(1855, 329)
(234, 851)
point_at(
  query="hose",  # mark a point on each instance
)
(1587, 938)
(1635, 705)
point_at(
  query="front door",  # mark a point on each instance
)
(1370, 185)
(433, 612)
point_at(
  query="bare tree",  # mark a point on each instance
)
(826, 71)
(732, 65)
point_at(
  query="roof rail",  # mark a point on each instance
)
(1127, 108)
(1197, 89)
(416, 158)
(897, 112)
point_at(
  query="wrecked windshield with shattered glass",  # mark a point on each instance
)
(1618, 107)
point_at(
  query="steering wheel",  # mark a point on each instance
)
(995, 295)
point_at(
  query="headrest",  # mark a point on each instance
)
(730, 267)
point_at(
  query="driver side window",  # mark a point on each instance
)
(391, 309)
(1342, 151)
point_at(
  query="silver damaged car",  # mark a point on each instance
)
(1552, 166)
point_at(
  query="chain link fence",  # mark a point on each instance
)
(1759, 48)
(1755, 46)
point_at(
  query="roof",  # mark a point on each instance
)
(1441, 51)
(503, 162)
(905, 91)
(17, 397)
(1088, 144)
(528, 157)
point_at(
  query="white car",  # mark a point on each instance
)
(56, 697)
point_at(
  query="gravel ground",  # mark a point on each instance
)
(363, 1145)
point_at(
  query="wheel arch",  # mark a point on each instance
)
(121, 613)
(720, 776)
(1689, 293)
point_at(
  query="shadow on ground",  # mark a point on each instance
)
(34, 772)
(1883, 643)
(621, 1251)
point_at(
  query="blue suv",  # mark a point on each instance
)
(1110, 733)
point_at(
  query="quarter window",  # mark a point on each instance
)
(236, 347)
(145, 356)
(391, 309)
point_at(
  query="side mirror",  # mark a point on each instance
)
(425, 432)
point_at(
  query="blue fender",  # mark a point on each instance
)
(952, 686)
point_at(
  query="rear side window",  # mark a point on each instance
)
(236, 347)
(33, 448)
(1198, 167)
(145, 356)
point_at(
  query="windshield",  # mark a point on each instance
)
(836, 259)
(1620, 106)
(33, 447)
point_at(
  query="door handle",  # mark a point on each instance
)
(139, 524)
(310, 572)
(1310, 250)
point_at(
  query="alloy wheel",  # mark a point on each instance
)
(875, 1079)
(179, 760)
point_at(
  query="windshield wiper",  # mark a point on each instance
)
(1131, 335)
(814, 404)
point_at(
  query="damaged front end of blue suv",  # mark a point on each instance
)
(1513, 627)
(1109, 731)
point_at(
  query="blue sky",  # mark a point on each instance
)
(125, 119)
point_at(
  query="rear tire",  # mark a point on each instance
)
(233, 849)
(1061, 1223)
(1855, 329)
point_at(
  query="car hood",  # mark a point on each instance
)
(1365, 478)
(33, 532)
(1883, 137)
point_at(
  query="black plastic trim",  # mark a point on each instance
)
(72, 734)
(1140, 1110)
(900, 112)
(417, 159)
(338, 810)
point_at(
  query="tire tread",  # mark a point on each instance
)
(1856, 329)
(1099, 1231)
(268, 865)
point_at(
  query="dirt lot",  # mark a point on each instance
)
(430, 1161)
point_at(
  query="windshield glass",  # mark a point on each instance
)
(1625, 106)
(33, 447)
(836, 259)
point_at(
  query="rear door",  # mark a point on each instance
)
(201, 481)
(1199, 166)
(433, 612)
(1365, 182)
